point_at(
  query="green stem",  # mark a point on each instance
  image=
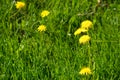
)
(89, 54)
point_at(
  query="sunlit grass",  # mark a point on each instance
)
(55, 53)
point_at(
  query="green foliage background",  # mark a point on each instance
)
(26, 54)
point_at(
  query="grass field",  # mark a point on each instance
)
(56, 54)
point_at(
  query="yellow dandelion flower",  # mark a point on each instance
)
(45, 13)
(42, 28)
(84, 39)
(86, 24)
(19, 5)
(79, 30)
(85, 71)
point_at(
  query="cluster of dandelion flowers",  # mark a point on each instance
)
(86, 24)
(80, 30)
(84, 39)
(85, 71)
(42, 28)
(45, 13)
(19, 5)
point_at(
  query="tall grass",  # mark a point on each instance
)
(26, 54)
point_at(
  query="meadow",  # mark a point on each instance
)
(56, 54)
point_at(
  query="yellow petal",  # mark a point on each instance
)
(79, 30)
(42, 28)
(84, 39)
(85, 71)
(45, 13)
(86, 24)
(20, 5)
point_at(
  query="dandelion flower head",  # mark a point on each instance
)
(85, 71)
(86, 24)
(84, 39)
(79, 30)
(42, 28)
(45, 13)
(19, 5)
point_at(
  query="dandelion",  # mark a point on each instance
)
(79, 30)
(86, 24)
(19, 5)
(42, 28)
(84, 39)
(85, 71)
(45, 13)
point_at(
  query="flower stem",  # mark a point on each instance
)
(89, 55)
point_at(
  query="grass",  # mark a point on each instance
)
(26, 54)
